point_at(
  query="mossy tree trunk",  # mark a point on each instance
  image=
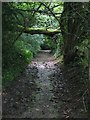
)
(48, 32)
(73, 29)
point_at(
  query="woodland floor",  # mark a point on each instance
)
(42, 92)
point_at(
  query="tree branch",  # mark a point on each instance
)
(49, 32)
(51, 11)
(37, 10)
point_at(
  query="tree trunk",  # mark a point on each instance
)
(72, 29)
(89, 84)
(89, 63)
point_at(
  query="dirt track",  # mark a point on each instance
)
(41, 92)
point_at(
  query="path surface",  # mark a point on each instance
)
(40, 92)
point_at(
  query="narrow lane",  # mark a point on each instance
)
(43, 107)
(41, 92)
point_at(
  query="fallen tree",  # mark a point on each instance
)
(49, 32)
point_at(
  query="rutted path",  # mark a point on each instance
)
(40, 93)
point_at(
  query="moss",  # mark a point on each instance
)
(49, 32)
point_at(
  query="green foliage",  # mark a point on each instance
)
(29, 45)
(59, 46)
(83, 61)
(49, 43)
(13, 71)
(46, 21)
(15, 57)
(83, 52)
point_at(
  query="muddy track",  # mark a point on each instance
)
(41, 92)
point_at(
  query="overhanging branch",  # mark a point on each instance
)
(49, 32)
